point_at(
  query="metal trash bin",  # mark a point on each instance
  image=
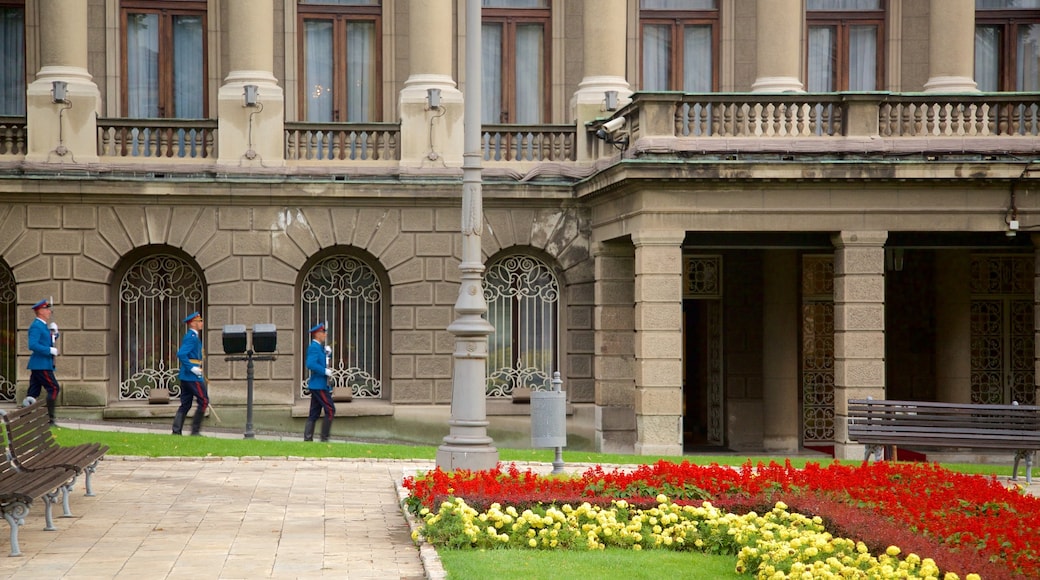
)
(548, 419)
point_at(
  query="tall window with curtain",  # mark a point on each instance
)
(845, 51)
(12, 66)
(516, 56)
(678, 41)
(340, 60)
(1007, 45)
(164, 59)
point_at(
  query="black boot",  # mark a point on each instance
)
(178, 422)
(326, 427)
(308, 430)
(50, 410)
(196, 421)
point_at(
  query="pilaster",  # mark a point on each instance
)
(604, 25)
(780, 352)
(613, 323)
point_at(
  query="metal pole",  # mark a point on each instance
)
(468, 446)
(558, 461)
(249, 394)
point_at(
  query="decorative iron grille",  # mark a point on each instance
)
(817, 349)
(1002, 329)
(8, 334)
(155, 295)
(523, 298)
(346, 293)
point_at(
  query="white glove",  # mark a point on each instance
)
(197, 371)
(54, 330)
(54, 351)
(328, 373)
(328, 349)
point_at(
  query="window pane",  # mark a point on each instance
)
(657, 63)
(1027, 77)
(317, 75)
(12, 66)
(515, 3)
(863, 58)
(987, 58)
(822, 59)
(843, 5)
(529, 74)
(677, 4)
(142, 63)
(697, 59)
(343, 2)
(361, 82)
(1006, 4)
(188, 71)
(491, 83)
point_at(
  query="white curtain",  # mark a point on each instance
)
(863, 58)
(188, 66)
(1028, 73)
(317, 73)
(361, 83)
(821, 59)
(530, 89)
(697, 59)
(843, 4)
(677, 4)
(657, 48)
(987, 58)
(142, 63)
(491, 80)
(12, 66)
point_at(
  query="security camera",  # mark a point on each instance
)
(610, 127)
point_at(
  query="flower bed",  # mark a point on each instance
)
(963, 523)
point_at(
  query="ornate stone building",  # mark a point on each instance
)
(717, 219)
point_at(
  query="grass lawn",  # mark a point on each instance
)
(565, 565)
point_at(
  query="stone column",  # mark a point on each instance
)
(778, 52)
(951, 46)
(62, 132)
(430, 137)
(658, 342)
(859, 328)
(251, 136)
(780, 374)
(604, 26)
(953, 326)
(614, 326)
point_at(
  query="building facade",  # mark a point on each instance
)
(719, 220)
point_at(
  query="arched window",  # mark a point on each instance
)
(155, 295)
(346, 292)
(8, 334)
(523, 299)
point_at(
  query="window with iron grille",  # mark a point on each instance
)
(523, 298)
(8, 334)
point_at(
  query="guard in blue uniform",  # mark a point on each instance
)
(318, 384)
(41, 358)
(193, 383)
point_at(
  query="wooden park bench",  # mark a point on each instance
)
(31, 448)
(877, 423)
(18, 490)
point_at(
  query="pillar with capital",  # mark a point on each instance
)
(62, 130)
(778, 53)
(951, 47)
(251, 130)
(604, 29)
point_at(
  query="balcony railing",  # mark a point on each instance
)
(342, 142)
(157, 138)
(961, 115)
(528, 142)
(12, 136)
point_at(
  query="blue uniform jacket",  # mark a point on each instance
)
(190, 355)
(40, 344)
(316, 364)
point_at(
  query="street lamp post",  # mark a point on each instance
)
(467, 445)
(265, 340)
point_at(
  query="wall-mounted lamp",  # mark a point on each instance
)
(610, 100)
(433, 98)
(894, 259)
(59, 91)
(251, 95)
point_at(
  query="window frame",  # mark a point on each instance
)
(843, 21)
(678, 20)
(165, 9)
(1009, 20)
(340, 15)
(25, 77)
(510, 18)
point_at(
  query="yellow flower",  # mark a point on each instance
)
(892, 551)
